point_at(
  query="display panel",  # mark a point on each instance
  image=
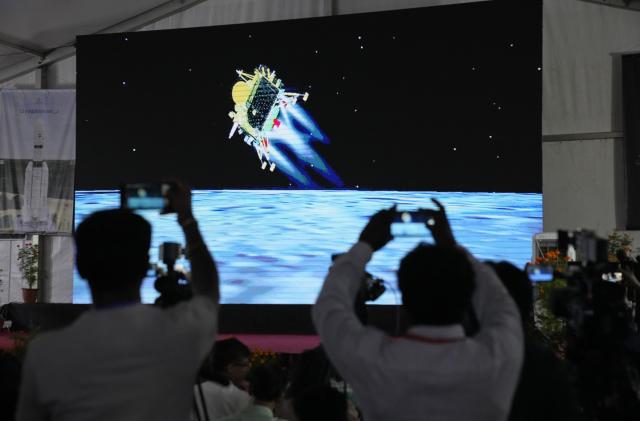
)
(292, 133)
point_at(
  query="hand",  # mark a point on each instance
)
(377, 233)
(179, 196)
(438, 224)
(629, 279)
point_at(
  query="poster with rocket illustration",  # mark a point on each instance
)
(37, 160)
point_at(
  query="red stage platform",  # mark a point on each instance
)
(289, 344)
(6, 343)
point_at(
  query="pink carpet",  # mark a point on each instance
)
(6, 343)
(290, 344)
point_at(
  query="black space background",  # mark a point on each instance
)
(452, 77)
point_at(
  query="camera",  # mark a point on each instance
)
(372, 287)
(583, 246)
(601, 335)
(593, 282)
(172, 284)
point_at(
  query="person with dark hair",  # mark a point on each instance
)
(434, 371)
(223, 380)
(267, 383)
(519, 286)
(313, 368)
(123, 360)
(545, 389)
(427, 299)
(320, 403)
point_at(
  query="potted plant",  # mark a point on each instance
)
(619, 241)
(28, 256)
(551, 328)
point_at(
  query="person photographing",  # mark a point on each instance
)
(123, 360)
(433, 372)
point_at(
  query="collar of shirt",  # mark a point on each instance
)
(447, 333)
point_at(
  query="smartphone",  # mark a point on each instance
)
(411, 223)
(145, 196)
(540, 273)
(615, 277)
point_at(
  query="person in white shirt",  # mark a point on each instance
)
(223, 381)
(433, 372)
(123, 360)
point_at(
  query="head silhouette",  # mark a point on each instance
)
(267, 383)
(436, 283)
(313, 368)
(518, 285)
(228, 362)
(112, 251)
(320, 402)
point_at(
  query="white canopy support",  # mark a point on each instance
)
(34, 59)
(21, 48)
(624, 4)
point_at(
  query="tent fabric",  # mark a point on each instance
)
(38, 31)
(224, 12)
(41, 26)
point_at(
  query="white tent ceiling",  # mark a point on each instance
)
(35, 32)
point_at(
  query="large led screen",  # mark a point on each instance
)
(293, 133)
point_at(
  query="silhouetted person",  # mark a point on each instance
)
(9, 384)
(434, 371)
(223, 380)
(545, 390)
(267, 385)
(312, 370)
(320, 403)
(123, 360)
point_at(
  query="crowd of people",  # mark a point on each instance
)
(469, 353)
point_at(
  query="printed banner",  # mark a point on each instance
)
(37, 160)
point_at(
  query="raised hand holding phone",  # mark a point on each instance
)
(179, 200)
(438, 223)
(377, 233)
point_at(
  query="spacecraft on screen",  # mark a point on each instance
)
(35, 209)
(259, 100)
